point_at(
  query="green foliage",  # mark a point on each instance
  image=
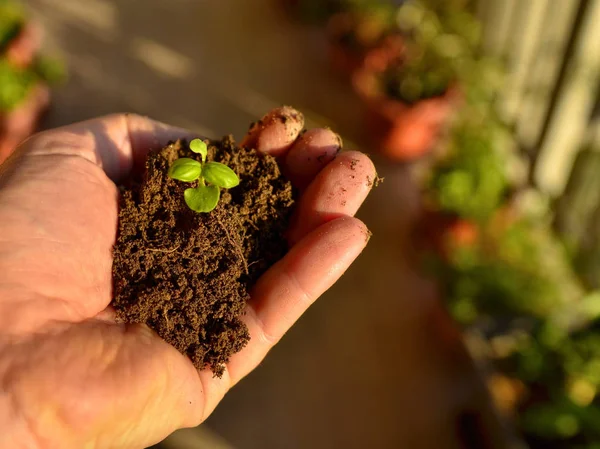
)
(506, 274)
(471, 182)
(414, 81)
(15, 85)
(441, 45)
(49, 70)
(552, 421)
(564, 368)
(203, 198)
(12, 18)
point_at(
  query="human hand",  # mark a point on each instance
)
(70, 377)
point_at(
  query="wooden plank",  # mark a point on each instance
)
(569, 121)
(577, 206)
(588, 258)
(522, 44)
(497, 20)
(544, 70)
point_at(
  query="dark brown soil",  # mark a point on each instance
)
(187, 275)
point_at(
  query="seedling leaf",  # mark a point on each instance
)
(185, 169)
(220, 175)
(199, 146)
(203, 198)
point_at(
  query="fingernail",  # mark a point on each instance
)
(340, 142)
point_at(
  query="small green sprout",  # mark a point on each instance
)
(211, 177)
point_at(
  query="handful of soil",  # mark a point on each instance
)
(187, 275)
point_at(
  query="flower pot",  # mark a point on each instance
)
(21, 122)
(400, 131)
(22, 49)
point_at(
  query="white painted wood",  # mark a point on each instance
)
(523, 43)
(569, 122)
(497, 18)
(542, 74)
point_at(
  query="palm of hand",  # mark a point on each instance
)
(70, 376)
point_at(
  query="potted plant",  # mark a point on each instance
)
(410, 97)
(24, 77)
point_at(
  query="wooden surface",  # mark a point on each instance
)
(365, 367)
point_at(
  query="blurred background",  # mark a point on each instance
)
(471, 320)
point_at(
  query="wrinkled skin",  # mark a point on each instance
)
(70, 377)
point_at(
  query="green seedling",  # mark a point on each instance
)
(211, 177)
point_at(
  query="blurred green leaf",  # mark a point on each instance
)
(50, 70)
(12, 18)
(15, 85)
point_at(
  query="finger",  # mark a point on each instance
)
(307, 157)
(338, 190)
(117, 143)
(284, 293)
(275, 132)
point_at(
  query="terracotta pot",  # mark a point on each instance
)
(21, 122)
(23, 48)
(401, 132)
(460, 234)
